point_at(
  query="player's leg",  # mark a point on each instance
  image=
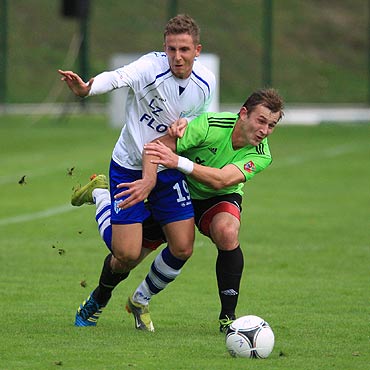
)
(164, 269)
(153, 237)
(219, 218)
(167, 265)
(90, 310)
(152, 232)
(171, 206)
(229, 265)
(113, 272)
(126, 247)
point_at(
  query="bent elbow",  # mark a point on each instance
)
(218, 185)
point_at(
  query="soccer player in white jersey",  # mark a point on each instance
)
(165, 88)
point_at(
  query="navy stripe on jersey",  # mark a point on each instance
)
(226, 122)
(158, 76)
(260, 149)
(201, 79)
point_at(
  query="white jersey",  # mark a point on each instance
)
(156, 99)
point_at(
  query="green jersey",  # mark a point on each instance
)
(208, 141)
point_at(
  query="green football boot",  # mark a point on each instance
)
(141, 315)
(225, 323)
(83, 194)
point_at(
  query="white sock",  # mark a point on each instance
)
(102, 214)
(142, 294)
(101, 198)
(164, 269)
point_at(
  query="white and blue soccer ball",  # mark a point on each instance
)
(250, 336)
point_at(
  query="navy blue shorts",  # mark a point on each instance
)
(169, 201)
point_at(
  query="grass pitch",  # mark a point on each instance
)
(305, 236)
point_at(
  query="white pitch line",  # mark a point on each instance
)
(36, 215)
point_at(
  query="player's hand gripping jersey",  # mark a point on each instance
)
(156, 99)
(207, 141)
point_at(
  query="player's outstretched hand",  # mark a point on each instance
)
(75, 83)
(166, 156)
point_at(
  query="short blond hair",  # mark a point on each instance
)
(183, 23)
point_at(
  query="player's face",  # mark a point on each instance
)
(181, 51)
(259, 124)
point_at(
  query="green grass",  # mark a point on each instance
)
(304, 235)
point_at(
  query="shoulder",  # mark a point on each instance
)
(155, 56)
(146, 68)
(216, 119)
(203, 75)
(225, 120)
(201, 69)
(213, 122)
(155, 59)
(223, 115)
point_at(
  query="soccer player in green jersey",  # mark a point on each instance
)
(219, 153)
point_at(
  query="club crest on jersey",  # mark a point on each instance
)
(250, 167)
(116, 208)
(184, 114)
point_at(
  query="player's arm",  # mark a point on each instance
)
(216, 178)
(139, 190)
(100, 84)
(75, 83)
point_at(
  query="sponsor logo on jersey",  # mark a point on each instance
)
(250, 167)
(199, 160)
(160, 98)
(213, 150)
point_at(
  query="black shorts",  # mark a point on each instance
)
(204, 210)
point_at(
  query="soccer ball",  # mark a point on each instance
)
(250, 336)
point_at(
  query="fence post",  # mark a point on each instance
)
(3, 50)
(172, 8)
(368, 52)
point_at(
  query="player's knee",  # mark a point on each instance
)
(126, 256)
(225, 234)
(119, 267)
(182, 252)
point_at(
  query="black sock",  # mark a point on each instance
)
(107, 282)
(229, 268)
